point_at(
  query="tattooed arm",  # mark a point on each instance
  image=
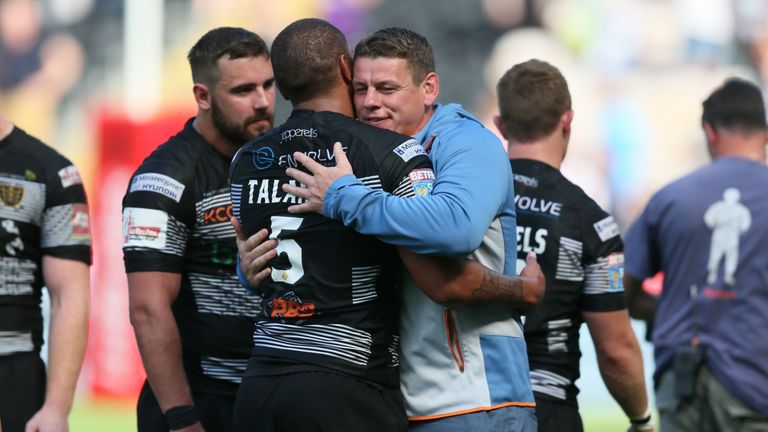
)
(463, 283)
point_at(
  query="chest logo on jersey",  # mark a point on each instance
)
(218, 214)
(289, 305)
(538, 206)
(263, 158)
(11, 194)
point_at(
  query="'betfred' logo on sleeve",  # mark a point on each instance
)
(422, 180)
(144, 228)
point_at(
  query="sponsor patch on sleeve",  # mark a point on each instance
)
(69, 176)
(422, 180)
(144, 228)
(616, 272)
(81, 227)
(159, 183)
(409, 149)
(607, 228)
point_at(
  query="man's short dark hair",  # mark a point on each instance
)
(737, 104)
(233, 42)
(532, 97)
(398, 42)
(306, 58)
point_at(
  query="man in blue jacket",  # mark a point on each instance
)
(462, 368)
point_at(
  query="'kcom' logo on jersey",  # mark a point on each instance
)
(218, 214)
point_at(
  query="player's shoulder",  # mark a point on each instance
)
(453, 124)
(377, 141)
(177, 158)
(45, 155)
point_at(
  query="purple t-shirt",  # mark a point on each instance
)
(708, 232)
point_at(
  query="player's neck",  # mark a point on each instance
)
(5, 127)
(337, 100)
(204, 126)
(547, 150)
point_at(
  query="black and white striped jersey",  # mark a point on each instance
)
(176, 219)
(43, 211)
(581, 254)
(331, 302)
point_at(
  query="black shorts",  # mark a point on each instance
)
(22, 389)
(317, 402)
(556, 416)
(215, 411)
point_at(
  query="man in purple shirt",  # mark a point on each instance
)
(708, 233)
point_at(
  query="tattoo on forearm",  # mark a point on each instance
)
(496, 287)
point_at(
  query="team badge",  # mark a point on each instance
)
(11, 194)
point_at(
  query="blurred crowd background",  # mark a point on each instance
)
(105, 81)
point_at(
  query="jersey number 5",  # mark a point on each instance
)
(289, 247)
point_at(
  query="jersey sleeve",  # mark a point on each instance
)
(642, 255)
(407, 170)
(603, 288)
(466, 196)
(65, 229)
(156, 219)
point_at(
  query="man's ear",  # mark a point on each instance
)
(202, 96)
(345, 68)
(500, 126)
(710, 132)
(565, 123)
(431, 87)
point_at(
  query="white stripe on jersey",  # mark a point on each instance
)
(364, 283)
(222, 295)
(333, 340)
(373, 182)
(17, 276)
(57, 228)
(549, 383)
(15, 342)
(556, 337)
(235, 194)
(404, 189)
(231, 370)
(569, 260)
(596, 280)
